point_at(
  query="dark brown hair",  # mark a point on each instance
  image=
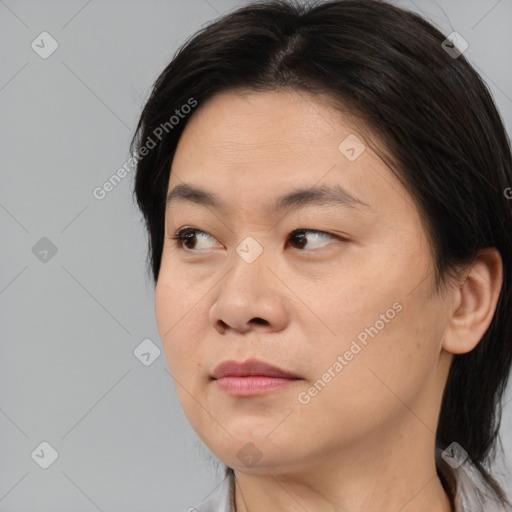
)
(434, 117)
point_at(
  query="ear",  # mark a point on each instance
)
(475, 302)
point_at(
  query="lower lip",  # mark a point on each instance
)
(254, 385)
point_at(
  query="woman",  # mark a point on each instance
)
(325, 192)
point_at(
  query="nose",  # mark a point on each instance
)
(250, 298)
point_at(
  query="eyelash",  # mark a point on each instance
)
(181, 235)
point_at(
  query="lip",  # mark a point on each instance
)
(250, 368)
(252, 377)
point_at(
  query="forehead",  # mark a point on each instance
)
(272, 122)
(247, 146)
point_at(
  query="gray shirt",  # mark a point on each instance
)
(465, 484)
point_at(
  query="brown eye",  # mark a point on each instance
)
(300, 237)
(186, 238)
(189, 238)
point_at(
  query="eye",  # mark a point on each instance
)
(300, 237)
(186, 238)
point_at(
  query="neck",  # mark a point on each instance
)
(403, 479)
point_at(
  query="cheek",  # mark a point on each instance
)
(176, 321)
(378, 382)
(399, 363)
(388, 340)
(174, 318)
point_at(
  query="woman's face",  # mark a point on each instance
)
(348, 305)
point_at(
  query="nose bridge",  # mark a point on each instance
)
(249, 291)
(250, 259)
(250, 250)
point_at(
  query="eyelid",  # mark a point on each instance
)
(180, 235)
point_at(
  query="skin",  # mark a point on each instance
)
(366, 440)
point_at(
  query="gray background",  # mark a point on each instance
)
(70, 323)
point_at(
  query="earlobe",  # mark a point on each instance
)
(475, 302)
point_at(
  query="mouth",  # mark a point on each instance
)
(252, 377)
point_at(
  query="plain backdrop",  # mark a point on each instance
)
(75, 300)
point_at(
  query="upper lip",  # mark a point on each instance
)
(248, 368)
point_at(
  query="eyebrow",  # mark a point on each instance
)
(334, 195)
